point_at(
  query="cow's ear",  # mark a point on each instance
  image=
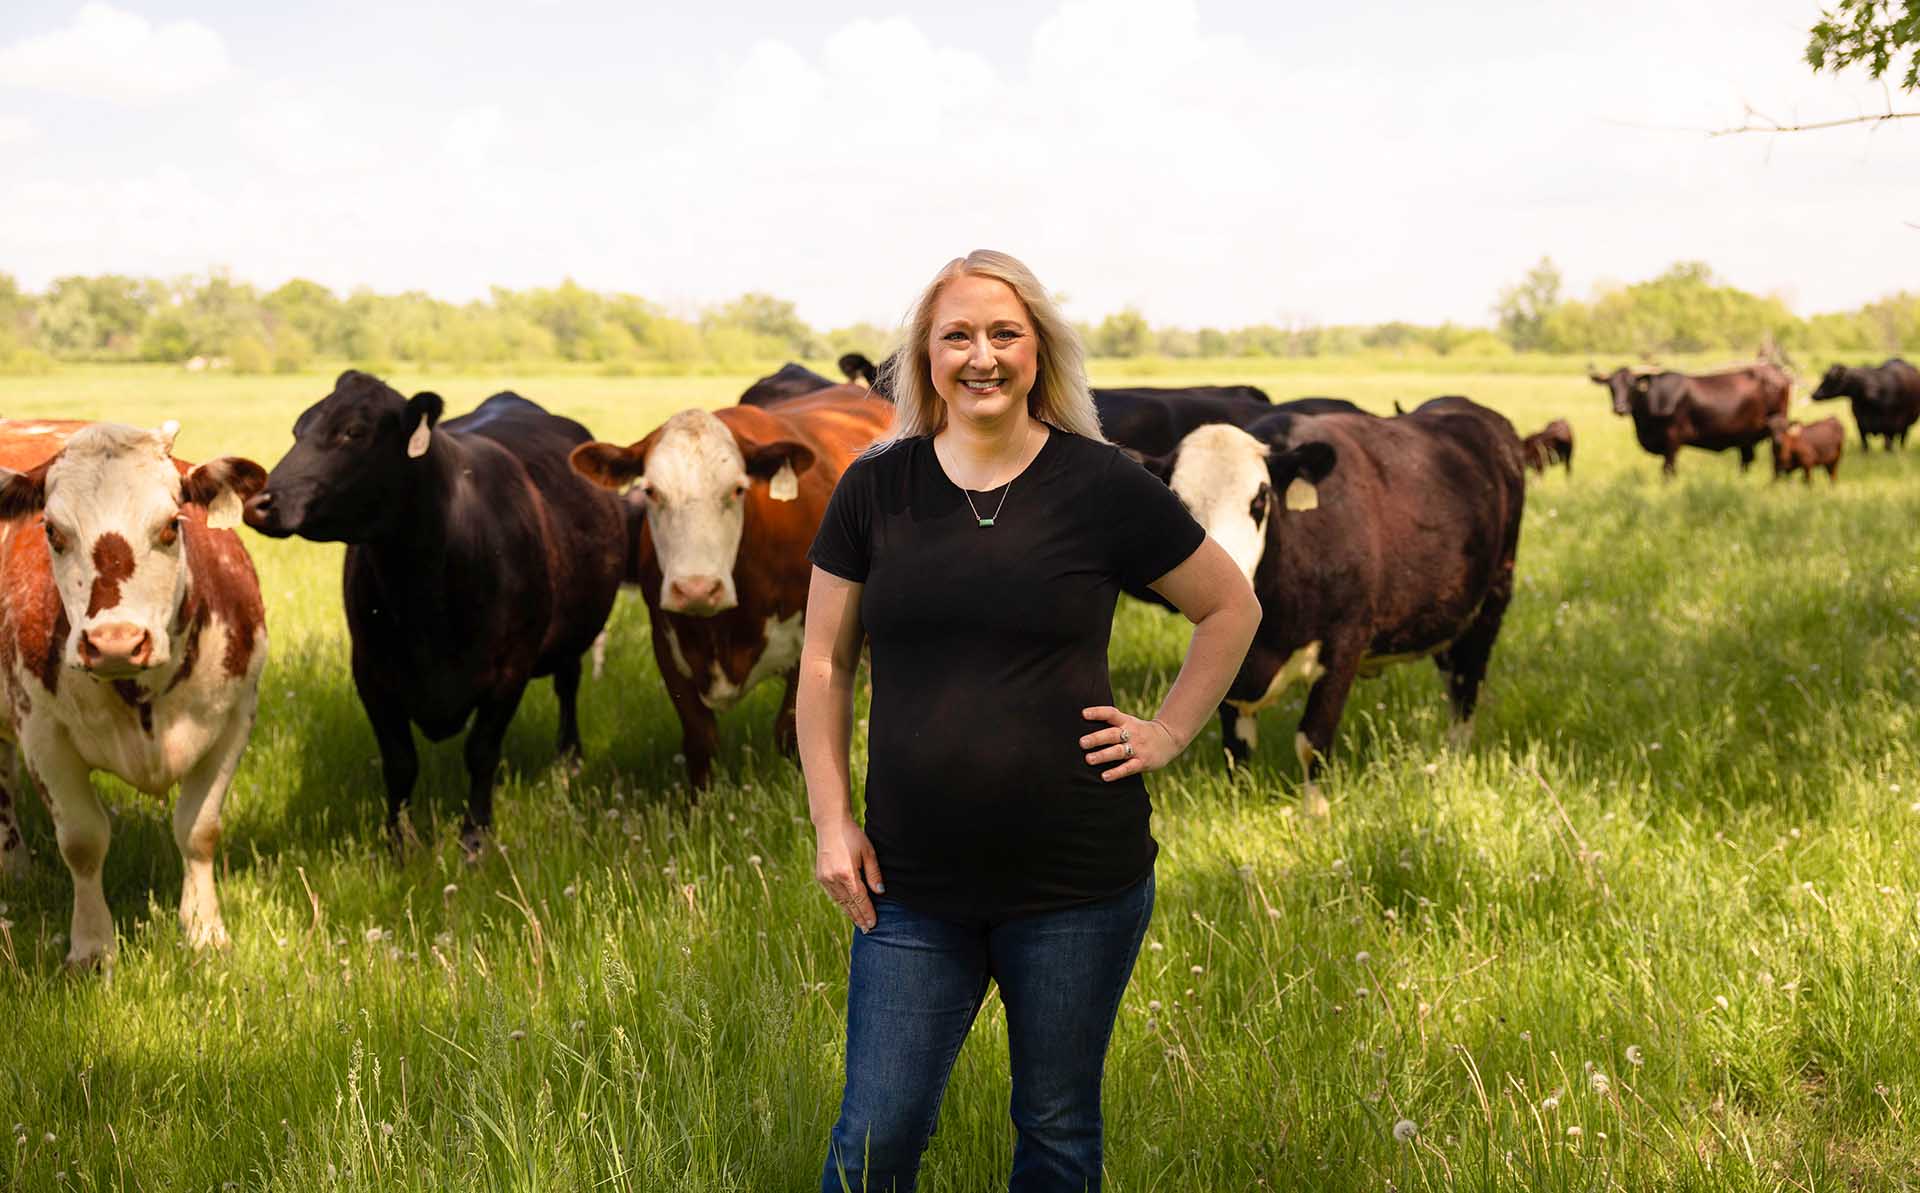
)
(423, 411)
(1297, 470)
(223, 487)
(766, 459)
(608, 464)
(23, 493)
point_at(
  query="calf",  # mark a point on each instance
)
(1807, 446)
(732, 499)
(1369, 541)
(1885, 398)
(132, 639)
(476, 561)
(1551, 444)
(1714, 411)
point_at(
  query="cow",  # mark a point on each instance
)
(476, 561)
(1806, 446)
(1151, 420)
(732, 499)
(132, 638)
(1713, 412)
(1369, 541)
(860, 371)
(1886, 398)
(1551, 444)
(792, 381)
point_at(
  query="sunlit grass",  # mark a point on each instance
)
(1655, 928)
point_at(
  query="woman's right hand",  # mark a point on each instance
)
(844, 863)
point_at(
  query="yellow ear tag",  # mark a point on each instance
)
(1301, 495)
(784, 486)
(223, 512)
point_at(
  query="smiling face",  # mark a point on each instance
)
(983, 349)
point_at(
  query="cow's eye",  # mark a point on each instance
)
(1259, 507)
(739, 490)
(168, 534)
(56, 540)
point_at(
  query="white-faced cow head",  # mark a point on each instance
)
(113, 502)
(695, 476)
(1233, 484)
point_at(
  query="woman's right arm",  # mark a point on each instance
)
(844, 861)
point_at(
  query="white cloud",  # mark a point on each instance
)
(16, 130)
(111, 53)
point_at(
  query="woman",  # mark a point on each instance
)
(980, 548)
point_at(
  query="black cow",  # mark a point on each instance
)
(1551, 444)
(1714, 412)
(1368, 540)
(792, 381)
(477, 560)
(858, 370)
(1886, 398)
(1152, 419)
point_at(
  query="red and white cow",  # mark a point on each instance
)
(132, 639)
(733, 498)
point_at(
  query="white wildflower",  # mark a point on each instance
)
(1405, 1130)
(1362, 957)
(1635, 1057)
(1574, 1132)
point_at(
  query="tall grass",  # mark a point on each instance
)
(1655, 928)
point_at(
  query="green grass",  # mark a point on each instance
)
(1682, 838)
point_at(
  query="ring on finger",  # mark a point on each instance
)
(1129, 749)
(1126, 735)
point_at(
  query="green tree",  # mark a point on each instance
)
(764, 318)
(1125, 333)
(1878, 33)
(1524, 306)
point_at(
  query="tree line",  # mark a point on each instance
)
(215, 320)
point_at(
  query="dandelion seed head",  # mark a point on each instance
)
(753, 859)
(1600, 1083)
(1405, 1130)
(1574, 1132)
(1635, 1057)
(1550, 1103)
(1154, 946)
(1199, 969)
(516, 1035)
(1273, 913)
(1720, 1000)
(450, 890)
(578, 1026)
(570, 890)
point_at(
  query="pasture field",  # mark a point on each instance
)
(1657, 927)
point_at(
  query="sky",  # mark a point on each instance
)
(1209, 163)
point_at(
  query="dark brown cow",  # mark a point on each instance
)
(1712, 412)
(476, 561)
(1807, 446)
(132, 639)
(1551, 444)
(1368, 540)
(791, 381)
(1886, 398)
(732, 499)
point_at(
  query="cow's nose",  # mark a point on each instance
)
(115, 644)
(695, 592)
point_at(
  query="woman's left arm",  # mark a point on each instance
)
(1213, 594)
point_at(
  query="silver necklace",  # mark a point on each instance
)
(987, 522)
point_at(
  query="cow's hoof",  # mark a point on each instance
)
(475, 843)
(1315, 804)
(89, 961)
(1460, 734)
(202, 936)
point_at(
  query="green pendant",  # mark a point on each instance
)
(986, 521)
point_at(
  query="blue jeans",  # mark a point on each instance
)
(915, 985)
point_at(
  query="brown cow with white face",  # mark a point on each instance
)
(132, 639)
(732, 499)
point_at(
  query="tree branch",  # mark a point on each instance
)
(1769, 125)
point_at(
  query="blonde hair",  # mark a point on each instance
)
(1059, 396)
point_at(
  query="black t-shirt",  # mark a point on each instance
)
(986, 644)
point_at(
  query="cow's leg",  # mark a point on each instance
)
(1239, 733)
(786, 730)
(489, 729)
(399, 761)
(566, 689)
(13, 847)
(1326, 701)
(196, 830)
(80, 826)
(1468, 658)
(1666, 466)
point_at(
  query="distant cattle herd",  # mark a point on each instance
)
(485, 551)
